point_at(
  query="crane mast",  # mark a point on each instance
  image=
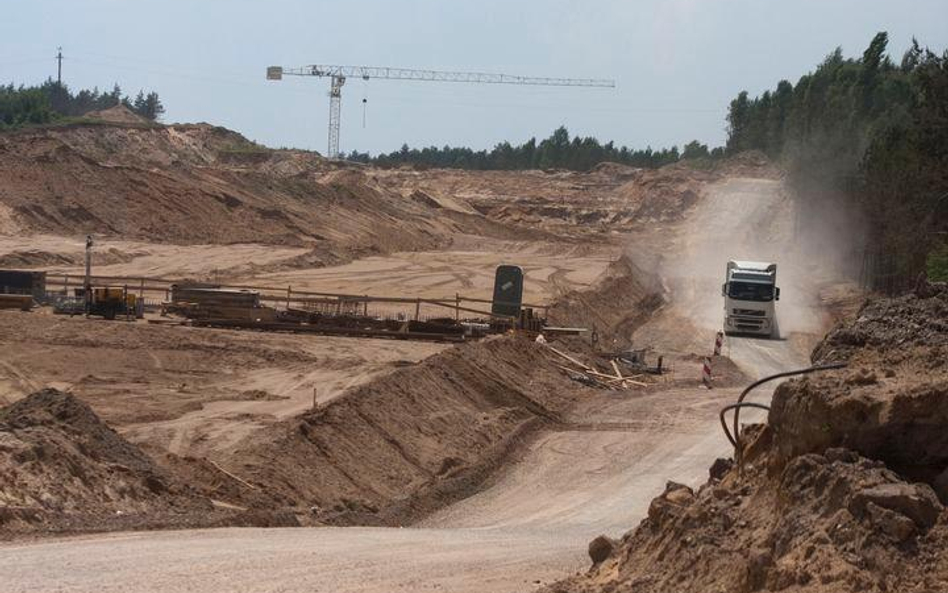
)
(339, 74)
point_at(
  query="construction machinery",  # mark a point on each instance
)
(19, 282)
(339, 74)
(750, 291)
(111, 302)
(20, 289)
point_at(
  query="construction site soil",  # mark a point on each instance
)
(63, 469)
(498, 454)
(842, 490)
(436, 430)
(231, 414)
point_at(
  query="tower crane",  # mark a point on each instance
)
(338, 75)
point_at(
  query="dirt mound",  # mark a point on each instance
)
(411, 441)
(621, 300)
(892, 327)
(119, 114)
(610, 198)
(828, 523)
(841, 488)
(616, 170)
(204, 184)
(894, 391)
(59, 462)
(62, 469)
(663, 195)
(750, 163)
(37, 258)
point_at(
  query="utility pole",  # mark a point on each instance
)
(59, 68)
(87, 285)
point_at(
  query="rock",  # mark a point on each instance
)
(940, 484)
(670, 504)
(678, 493)
(720, 468)
(895, 525)
(840, 454)
(758, 564)
(916, 501)
(449, 464)
(863, 376)
(601, 548)
(681, 496)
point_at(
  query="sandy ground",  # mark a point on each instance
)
(467, 268)
(529, 528)
(200, 391)
(191, 390)
(531, 525)
(144, 259)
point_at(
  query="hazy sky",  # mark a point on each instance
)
(677, 63)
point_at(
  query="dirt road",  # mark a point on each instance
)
(531, 524)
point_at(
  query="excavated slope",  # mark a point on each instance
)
(388, 452)
(411, 441)
(841, 487)
(61, 466)
(199, 184)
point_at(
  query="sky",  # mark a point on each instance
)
(676, 63)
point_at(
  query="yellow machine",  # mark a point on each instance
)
(110, 302)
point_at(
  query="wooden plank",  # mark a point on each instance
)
(605, 376)
(570, 358)
(232, 476)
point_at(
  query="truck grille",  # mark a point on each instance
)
(749, 312)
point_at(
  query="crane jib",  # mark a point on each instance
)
(338, 74)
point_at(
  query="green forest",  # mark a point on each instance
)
(558, 151)
(52, 101)
(872, 132)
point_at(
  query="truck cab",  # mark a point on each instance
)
(750, 292)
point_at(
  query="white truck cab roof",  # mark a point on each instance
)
(755, 266)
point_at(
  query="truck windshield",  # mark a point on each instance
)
(750, 291)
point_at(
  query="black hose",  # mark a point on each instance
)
(736, 439)
(729, 407)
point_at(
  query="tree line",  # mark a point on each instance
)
(559, 151)
(51, 100)
(872, 133)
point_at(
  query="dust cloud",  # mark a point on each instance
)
(750, 219)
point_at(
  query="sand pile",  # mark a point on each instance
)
(62, 470)
(60, 464)
(119, 114)
(621, 300)
(892, 403)
(411, 441)
(203, 184)
(841, 488)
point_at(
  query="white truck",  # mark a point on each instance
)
(749, 291)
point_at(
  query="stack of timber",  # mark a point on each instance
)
(584, 373)
(210, 302)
